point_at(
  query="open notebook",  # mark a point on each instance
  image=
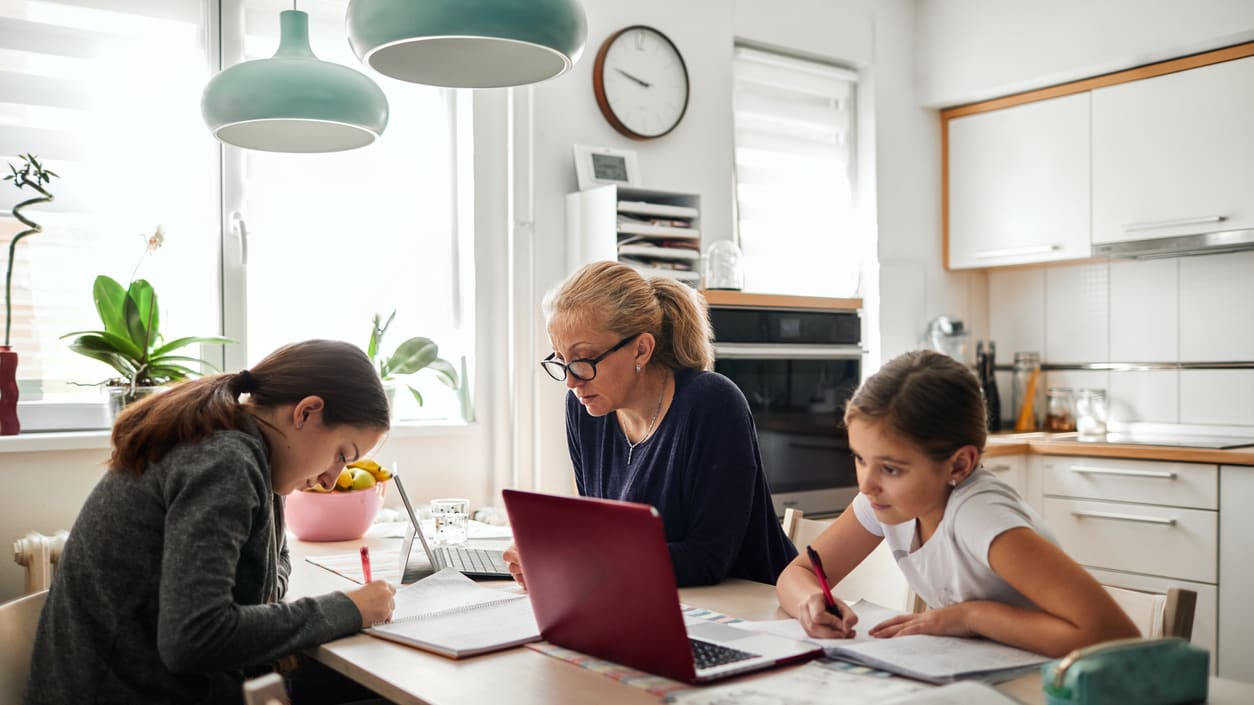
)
(935, 659)
(453, 615)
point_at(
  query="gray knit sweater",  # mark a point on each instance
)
(164, 593)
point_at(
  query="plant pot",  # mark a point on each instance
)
(121, 397)
(9, 424)
(333, 516)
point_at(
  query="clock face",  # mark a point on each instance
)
(641, 82)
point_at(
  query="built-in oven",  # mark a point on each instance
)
(797, 368)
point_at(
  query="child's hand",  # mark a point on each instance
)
(374, 601)
(946, 621)
(818, 622)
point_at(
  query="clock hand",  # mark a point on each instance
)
(646, 84)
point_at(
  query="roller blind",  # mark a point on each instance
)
(795, 171)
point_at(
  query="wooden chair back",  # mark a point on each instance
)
(18, 620)
(877, 578)
(1158, 614)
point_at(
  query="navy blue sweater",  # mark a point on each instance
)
(701, 469)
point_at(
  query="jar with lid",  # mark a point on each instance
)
(1027, 391)
(1090, 413)
(1060, 409)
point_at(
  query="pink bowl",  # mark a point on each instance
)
(333, 516)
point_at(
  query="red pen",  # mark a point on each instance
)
(817, 565)
(365, 563)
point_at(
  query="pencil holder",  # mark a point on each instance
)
(1168, 671)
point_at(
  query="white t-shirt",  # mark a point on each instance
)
(952, 566)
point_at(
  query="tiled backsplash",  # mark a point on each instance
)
(1187, 310)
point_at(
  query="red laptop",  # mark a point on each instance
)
(601, 582)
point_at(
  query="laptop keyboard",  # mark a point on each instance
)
(707, 655)
(472, 560)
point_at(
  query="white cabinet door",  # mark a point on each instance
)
(1012, 470)
(1174, 154)
(1236, 568)
(1019, 184)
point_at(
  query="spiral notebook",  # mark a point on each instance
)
(454, 616)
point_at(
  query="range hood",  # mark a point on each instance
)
(1178, 246)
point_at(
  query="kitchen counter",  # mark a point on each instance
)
(1042, 443)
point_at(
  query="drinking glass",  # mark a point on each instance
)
(450, 516)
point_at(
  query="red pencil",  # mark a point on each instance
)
(365, 563)
(817, 564)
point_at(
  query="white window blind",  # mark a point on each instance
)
(795, 170)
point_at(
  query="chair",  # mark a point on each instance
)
(877, 578)
(18, 620)
(266, 690)
(1158, 614)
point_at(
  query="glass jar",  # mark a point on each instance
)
(1060, 410)
(1027, 392)
(1090, 413)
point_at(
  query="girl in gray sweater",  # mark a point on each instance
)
(169, 589)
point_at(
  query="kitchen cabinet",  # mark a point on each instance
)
(1236, 568)
(1174, 154)
(1140, 524)
(1012, 470)
(1018, 184)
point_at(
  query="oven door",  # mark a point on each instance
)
(797, 394)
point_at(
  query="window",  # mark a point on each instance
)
(107, 94)
(795, 168)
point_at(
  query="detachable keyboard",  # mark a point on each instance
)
(471, 560)
(707, 655)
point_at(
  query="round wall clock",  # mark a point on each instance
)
(641, 82)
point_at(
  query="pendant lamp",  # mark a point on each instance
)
(293, 101)
(468, 43)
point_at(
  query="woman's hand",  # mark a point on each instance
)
(514, 562)
(374, 601)
(818, 622)
(946, 621)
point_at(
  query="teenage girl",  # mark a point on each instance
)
(980, 557)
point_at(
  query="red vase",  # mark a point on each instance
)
(9, 425)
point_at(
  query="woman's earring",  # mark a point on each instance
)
(953, 483)
(637, 369)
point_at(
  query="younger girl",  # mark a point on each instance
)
(980, 558)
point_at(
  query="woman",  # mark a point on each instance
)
(170, 583)
(646, 422)
(979, 556)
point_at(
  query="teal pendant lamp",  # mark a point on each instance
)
(293, 101)
(468, 43)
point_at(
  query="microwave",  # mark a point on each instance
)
(796, 368)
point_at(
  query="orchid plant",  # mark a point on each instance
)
(411, 356)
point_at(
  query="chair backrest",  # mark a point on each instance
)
(1158, 614)
(877, 578)
(18, 620)
(266, 690)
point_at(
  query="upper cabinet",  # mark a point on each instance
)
(1174, 154)
(1018, 184)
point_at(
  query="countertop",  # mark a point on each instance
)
(1002, 444)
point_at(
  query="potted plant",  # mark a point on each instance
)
(34, 175)
(131, 342)
(410, 357)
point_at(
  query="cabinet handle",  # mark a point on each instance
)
(1155, 224)
(1124, 517)
(1156, 474)
(997, 468)
(770, 351)
(1012, 251)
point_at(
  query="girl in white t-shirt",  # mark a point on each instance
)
(980, 557)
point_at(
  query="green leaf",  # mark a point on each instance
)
(140, 311)
(110, 299)
(105, 340)
(170, 359)
(181, 342)
(412, 355)
(444, 371)
(96, 350)
(417, 395)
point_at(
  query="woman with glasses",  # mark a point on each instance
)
(646, 421)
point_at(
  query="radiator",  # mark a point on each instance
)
(39, 554)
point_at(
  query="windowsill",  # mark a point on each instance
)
(99, 439)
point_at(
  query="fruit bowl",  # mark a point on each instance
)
(333, 516)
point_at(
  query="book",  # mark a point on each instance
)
(652, 252)
(452, 615)
(933, 659)
(667, 231)
(664, 210)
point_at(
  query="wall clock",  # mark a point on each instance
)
(641, 82)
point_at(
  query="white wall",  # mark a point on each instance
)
(971, 50)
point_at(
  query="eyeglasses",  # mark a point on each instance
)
(582, 369)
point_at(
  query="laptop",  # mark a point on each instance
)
(601, 582)
(474, 562)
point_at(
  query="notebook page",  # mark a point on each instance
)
(448, 592)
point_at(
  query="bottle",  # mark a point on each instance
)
(986, 370)
(1090, 412)
(1059, 410)
(1028, 394)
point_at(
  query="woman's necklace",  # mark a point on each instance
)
(649, 433)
